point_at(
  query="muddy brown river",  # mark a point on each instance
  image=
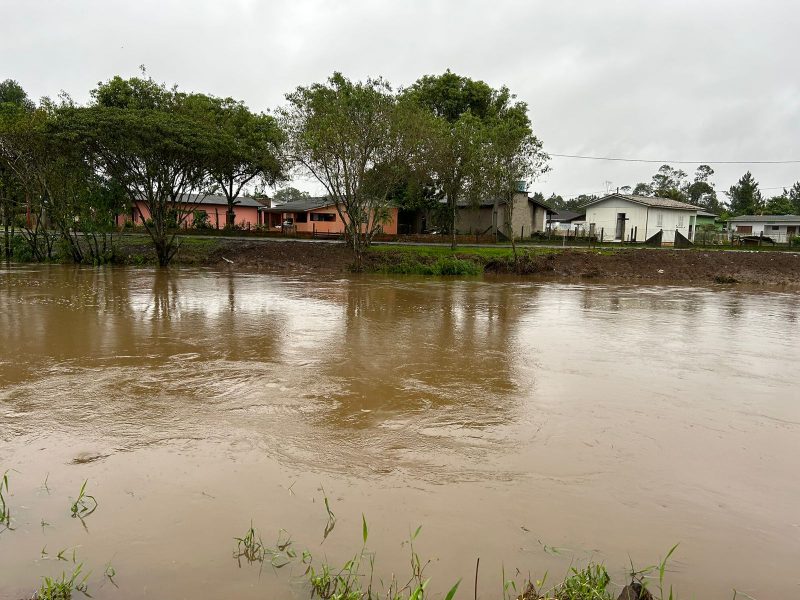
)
(532, 424)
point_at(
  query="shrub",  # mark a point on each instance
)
(407, 264)
(200, 220)
(795, 241)
(21, 250)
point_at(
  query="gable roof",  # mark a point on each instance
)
(490, 202)
(766, 219)
(220, 200)
(652, 202)
(302, 205)
(705, 213)
(566, 215)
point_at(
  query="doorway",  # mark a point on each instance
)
(620, 233)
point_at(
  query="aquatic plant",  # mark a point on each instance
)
(84, 504)
(354, 580)
(109, 573)
(62, 588)
(5, 510)
(249, 547)
(331, 517)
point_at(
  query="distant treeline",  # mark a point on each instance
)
(744, 198)
(67, 171)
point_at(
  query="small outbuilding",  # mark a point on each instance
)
(630, 218)
(497, 217)
(565, 220)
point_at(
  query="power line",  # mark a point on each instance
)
(603, 192)
(679, 162)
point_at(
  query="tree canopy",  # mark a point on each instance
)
(478, 136)
(358, 141)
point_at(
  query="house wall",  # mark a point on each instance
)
(522, 218)
(470, 220)
(526, 218)
(540, 218)
(335, 226)
(245, 216)
(782, 234)
(645, 221)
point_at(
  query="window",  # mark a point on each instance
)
(775, 227)
(680, 221)
(323, 217)
(301, 217)
(659, 219)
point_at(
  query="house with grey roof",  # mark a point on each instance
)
(565, 220)
(630, 218)
(780, 228)
(317, 216)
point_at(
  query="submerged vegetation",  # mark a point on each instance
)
(84, 504)
(5, 510)
(356, 578)
(61, 588)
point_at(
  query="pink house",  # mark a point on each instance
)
(246, 210)
(314, 215)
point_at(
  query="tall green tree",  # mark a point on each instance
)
(14, 103)
(745, 197)
(21, 164)
(793, 193)
(357, 140)
(701, 191)
(289, 194)
(11, 92)
(141, 135)
(778, 205)
(670, 183)
(514, 156)
(463, 108)
(248, 146)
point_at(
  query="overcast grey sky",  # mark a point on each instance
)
(680, 80)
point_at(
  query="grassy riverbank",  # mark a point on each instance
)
(650, 265)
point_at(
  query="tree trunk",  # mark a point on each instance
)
(454, 212)
(6, 238)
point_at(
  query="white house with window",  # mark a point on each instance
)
(629, 218)
(781, 228)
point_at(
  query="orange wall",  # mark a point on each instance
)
(337, 225)
(245, 215)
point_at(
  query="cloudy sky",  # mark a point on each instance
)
(674, 80)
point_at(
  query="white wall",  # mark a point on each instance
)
(779, 235)
(604, 216)
(645, 221)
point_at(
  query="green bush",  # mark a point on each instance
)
(21, 250)
(200, 220)
(795, 241)
(443, 265)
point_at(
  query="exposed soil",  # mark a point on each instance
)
(285, 257)
(645, 265)
(690, 266)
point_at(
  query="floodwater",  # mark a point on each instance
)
(532, 424)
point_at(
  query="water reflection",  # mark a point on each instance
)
(583, 408)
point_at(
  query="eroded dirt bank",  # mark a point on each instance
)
(689, 266)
